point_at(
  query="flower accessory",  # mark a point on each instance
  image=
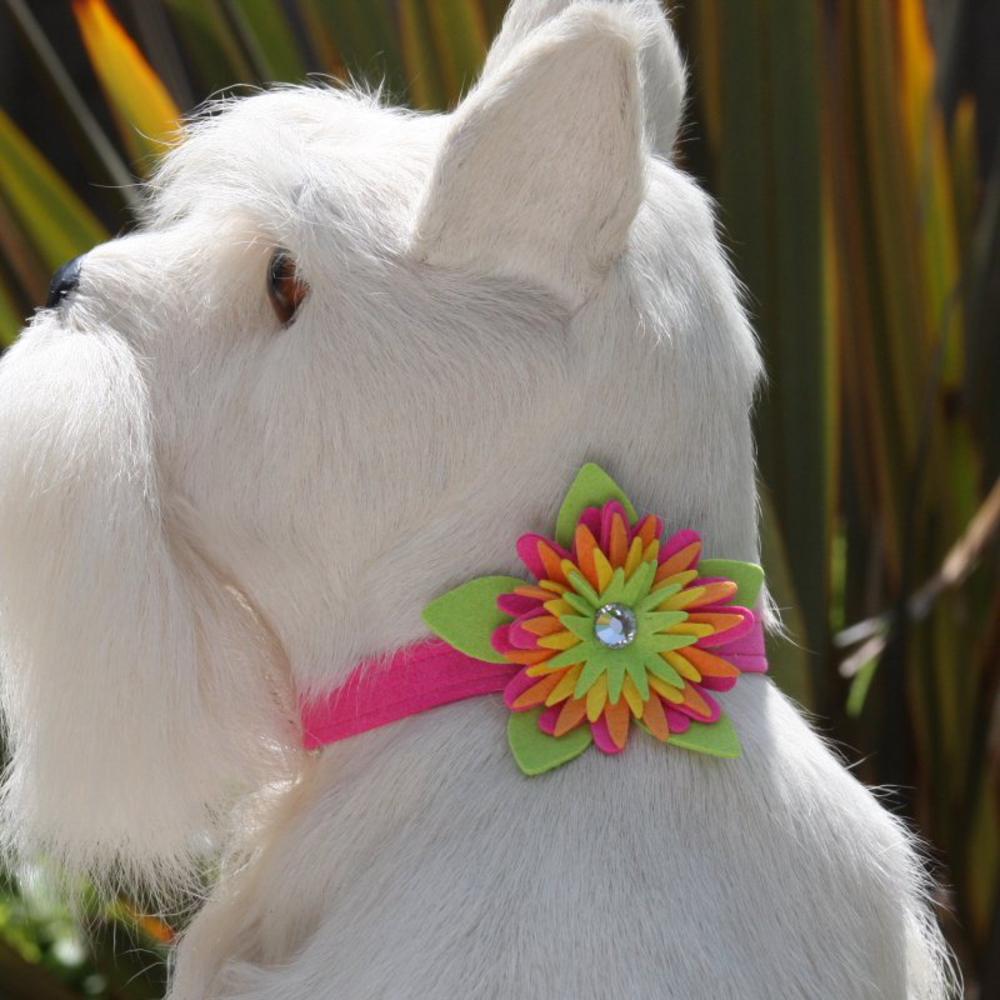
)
(619, 625)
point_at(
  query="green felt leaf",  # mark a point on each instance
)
(467, 616)
(535, 751)
(593, 487)
(718, 739)
(748, 577)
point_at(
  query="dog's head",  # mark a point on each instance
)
(350, 354)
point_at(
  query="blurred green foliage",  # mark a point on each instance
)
(865, 222)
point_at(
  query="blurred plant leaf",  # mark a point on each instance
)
(53, 219)
(269, 39)
(145, 112)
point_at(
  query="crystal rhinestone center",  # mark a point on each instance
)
(615, 626)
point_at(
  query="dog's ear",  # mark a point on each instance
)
(137, 688)
(661, 66)
(541, 171)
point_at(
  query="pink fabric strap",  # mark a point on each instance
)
(431, 673)
(387, 689)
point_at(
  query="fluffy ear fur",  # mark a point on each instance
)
(541, 172)
(135, 685)
(661, 66)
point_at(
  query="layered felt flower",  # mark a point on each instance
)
(619, 624)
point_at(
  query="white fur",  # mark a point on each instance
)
(204, 517)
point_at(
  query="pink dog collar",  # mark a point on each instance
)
(620, 624)
(383, 690)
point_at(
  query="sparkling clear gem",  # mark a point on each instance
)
(615, 626)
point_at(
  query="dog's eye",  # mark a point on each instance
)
(284, 287)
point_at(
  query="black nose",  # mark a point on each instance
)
(63, 282)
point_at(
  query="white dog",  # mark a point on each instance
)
(350, 356)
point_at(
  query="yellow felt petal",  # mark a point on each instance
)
(656, 719)
(560, 640)
(565, 687)
(558, 607)
(691, 628)
(683, 599)
(718, 622)
(682, 665)
(538, 593)
(597, 697)
(671, 579)
(634, 558)
(553, 587)
(632, 697)
(666, 690)
(652, 551)
(720, 592)
(603, 570)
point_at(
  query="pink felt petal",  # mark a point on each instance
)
(751, 643)
(748, 664)
(547, 720)
(718, 683)
(518, 604)
(591, 517)
(676, 542)
(500, 640)
(603, 738)
(517, 685)
(527, 549)
(608, 512)
(677, 722)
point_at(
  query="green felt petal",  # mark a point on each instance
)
(588, 676)
(467, 616)
(658, 596)
(637, 671)
(582, 627)
(615, 590)
(658, 667)
(639, 583)
(664, 643)
(578, 603)
(748, 578)
(616, 680)
(593, 487)
(537, 752)
(568, 657)
(719, 739)
(657, 621)
(583, 588)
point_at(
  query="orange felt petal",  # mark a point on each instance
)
(695, 702)
(542, 625)
(618, 542)
(656, 719)
(571, 715)
(618, 717)
(528, 657)
(552, 562)
(708, 664)
(585, 545)
(719, 592)
(679, 561)
(669, 579)
(647, 530)
(537, 693)
(719, 622)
